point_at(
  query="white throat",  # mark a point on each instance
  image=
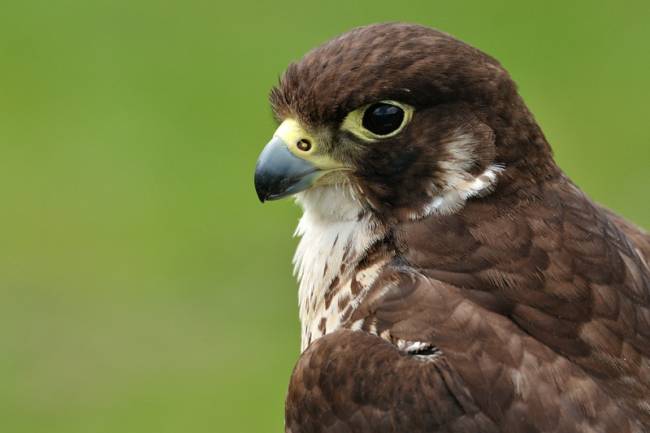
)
(335, 233)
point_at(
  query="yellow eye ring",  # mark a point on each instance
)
(386, 115)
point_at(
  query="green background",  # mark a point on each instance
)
(142, 286)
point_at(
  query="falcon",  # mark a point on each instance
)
(451, 277)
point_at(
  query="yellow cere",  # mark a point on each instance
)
(353, 122)
(291, 132)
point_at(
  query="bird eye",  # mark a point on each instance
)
(377, 121)
(382, 118)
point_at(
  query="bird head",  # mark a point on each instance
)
(406, 119)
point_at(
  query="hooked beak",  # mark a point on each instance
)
(280, 173)
(291, 162)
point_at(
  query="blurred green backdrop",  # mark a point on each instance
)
(142, 286)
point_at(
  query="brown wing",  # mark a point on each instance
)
(352, 381)
(639, 238)
(559, 269)
(514, 379)
(490, 377)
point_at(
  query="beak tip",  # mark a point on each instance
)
(261, 194)
(261, 185)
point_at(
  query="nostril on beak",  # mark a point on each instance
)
(304, 145)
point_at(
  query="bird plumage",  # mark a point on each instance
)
(452, 278)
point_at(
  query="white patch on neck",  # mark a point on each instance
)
(454, 196)
(335, 233)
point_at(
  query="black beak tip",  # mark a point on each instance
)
(263, 185)
(262, 194)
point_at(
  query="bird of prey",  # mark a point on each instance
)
(451, 277)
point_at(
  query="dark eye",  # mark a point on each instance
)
(383, 118)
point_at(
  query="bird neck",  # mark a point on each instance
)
(521, 145)
(336, 234)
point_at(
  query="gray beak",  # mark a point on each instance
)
(279, 173)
